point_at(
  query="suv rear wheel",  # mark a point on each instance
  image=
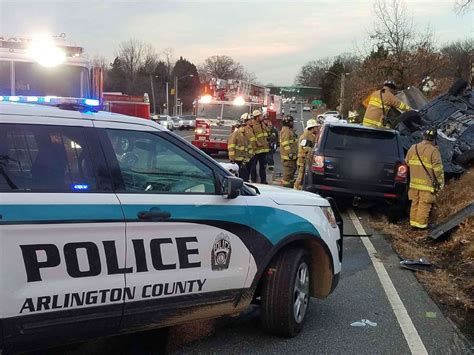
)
(285, 293)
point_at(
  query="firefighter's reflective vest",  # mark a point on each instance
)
(288, 144)
(251, 140)
(304, 151)
(261, 135)
(379, 103)
(237, 146)
(431, 159)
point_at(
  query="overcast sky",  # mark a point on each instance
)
(273, 39)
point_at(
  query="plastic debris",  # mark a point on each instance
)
(431, 315)
(421, 264)
(363, 323)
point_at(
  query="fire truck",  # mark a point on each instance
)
(47, 66)
(219, 109)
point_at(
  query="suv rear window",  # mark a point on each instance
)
(353, 139)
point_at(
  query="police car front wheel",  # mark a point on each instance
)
(285, 293)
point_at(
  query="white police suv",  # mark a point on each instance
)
(111, 224)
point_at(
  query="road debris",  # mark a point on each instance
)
(363, 323)
(421, 264)
(431, 315)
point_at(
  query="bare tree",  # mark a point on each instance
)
(224, 67)
(101, 62)
(460, 57)
(169, 60)
(462, 6)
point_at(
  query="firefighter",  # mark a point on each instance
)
(306, 142)
(272, 133)
(426, 178)
(288, 151)
(261, 148)
(379, 104)
(237, 147)
(251, 140)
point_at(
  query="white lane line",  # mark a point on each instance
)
(302, 124)
(408, 328)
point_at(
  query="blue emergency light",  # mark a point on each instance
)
(52, 100)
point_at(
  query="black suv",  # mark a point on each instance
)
(358, 162)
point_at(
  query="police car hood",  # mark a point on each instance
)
(286, 196)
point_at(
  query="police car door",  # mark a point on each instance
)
(180, 248)
(62, 232)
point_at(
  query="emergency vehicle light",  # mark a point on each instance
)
(52, 100)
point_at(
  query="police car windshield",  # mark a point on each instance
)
(32, 79)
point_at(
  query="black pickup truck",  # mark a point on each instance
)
(360, 163)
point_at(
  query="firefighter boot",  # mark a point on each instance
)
(289, 168)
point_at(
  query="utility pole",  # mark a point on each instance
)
(153, 94)
(167, 99)
(176, 96)
(341, 99)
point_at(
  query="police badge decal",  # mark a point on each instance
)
(221, 250)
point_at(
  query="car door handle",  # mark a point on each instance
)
(153, 214)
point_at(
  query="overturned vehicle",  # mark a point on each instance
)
(451, 113)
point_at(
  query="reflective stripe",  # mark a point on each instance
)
(370, 122)
(375, 101)
(260, 135)
(403, 106)
(418, 225)
(253, 139)
(231, 145)
(416, 161)
(421, 187)
(287, 157)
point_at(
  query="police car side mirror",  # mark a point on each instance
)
(231, 186)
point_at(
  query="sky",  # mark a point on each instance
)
(272, 39)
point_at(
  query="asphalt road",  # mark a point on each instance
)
(402, 317)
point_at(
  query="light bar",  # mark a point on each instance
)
(52, 100)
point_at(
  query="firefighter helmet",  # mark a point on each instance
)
(312, 123)
(241, 121)
(390, 83)
(256, 113)
(430, 134)
(244, 116)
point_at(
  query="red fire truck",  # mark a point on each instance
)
(47, 66)
(218, 110)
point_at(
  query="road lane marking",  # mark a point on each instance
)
(408, 328)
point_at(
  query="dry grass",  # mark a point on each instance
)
(452, 283)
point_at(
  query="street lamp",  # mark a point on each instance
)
(176, 79)
(343, 79)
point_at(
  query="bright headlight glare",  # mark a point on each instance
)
(47, 54)
(239, 101)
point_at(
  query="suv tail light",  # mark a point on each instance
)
(402, 172)
(318, 164)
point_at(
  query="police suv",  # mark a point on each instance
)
(113, 224)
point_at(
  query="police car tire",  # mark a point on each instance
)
(277, 294)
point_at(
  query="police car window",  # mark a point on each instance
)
(39, 158)
(151, 164)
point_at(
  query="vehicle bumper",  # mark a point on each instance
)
(210, 145)
(395, 193)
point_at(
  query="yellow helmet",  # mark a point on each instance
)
(244, 116)
(312, 123)
(256, 113)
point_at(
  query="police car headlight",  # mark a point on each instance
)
(328, 212)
